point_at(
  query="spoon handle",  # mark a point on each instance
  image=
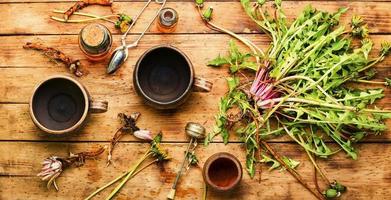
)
(151, 22)
(134, 21)
(171, 195)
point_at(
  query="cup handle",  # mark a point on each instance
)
(202, 85)
(98, 106)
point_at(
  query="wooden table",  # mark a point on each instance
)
(23, 146)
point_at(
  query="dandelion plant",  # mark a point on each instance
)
(299, 88)
(154, 152)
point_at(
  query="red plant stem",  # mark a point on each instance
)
(265, 91)
(316, 180)
(257, 81)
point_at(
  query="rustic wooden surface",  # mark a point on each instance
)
(23, 146)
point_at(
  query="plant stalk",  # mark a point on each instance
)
(291, 171)
(129, 175)
(119, 178)
(93, 17)
(245, 41)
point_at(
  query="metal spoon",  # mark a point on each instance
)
(120, 54)
(195, 131)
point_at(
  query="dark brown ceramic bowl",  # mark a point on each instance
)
(222, 171)
(60, 104)
(164, 77)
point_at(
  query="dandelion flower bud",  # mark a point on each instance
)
(143, 135)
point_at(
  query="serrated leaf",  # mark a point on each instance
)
(232, 82)
(217, 62)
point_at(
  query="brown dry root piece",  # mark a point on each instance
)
(84, 3)
(57, 55)
(53, 166)
(128, 125)
(79, 158)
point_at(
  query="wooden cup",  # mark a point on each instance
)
(222, 171)
(164, 77)
(60, 105)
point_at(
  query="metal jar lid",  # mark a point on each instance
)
(95, 39)
(195, 130)
(168, 17)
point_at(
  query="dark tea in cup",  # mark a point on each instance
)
(222, 171)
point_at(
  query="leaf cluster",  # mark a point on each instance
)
(156, 150)
(274, 164)
(309, 61)
(236, 60)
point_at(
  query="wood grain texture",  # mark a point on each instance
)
(17, 63)
(23, 146)
(44, 1)
(228, 14)
(367, 178)
(22, 69)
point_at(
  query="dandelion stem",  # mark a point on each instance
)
(205, 191)
(129, 175)
(371, 82)
(245, 41)
(93, 17)
(107, 185)
(318, 103)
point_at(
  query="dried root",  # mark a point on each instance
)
(84, 3)
(53, 166)
(128, 125)
(57, 55)
(79, 158)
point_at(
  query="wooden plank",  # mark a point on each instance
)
(18, 82)
(48, 1)
(367, 178)
(16, 124)
(118, 88)
(200, 48)
(376, 13)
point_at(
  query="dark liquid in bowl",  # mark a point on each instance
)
(223, 172)
(164, 75)
(58, 104)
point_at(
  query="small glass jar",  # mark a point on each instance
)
(95, 41)
(168, 19)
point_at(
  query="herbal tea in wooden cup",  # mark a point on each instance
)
(164, 77)
(222, 171)
(60, 105)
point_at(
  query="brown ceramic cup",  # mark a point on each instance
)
(60, 105)
(164, 77)
(222, 171)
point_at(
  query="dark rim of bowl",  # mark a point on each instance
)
(79, 122)
(190, 85)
